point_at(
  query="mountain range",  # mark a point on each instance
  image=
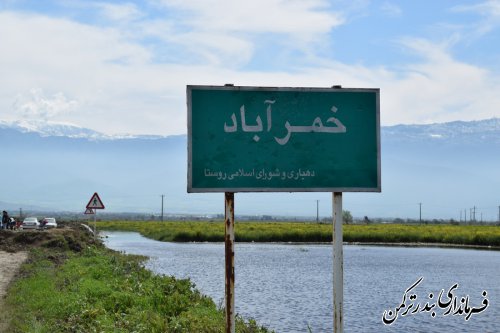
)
(446, 169)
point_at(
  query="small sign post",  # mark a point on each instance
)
(95, 203)
(270, 139)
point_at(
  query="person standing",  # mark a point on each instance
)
(5, 219)
(12, 223)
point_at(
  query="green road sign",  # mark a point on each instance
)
(254, 139)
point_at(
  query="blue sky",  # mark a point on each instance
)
(122, 67)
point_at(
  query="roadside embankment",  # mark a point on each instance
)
(70, 283)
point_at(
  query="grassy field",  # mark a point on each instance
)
(186, 231)
(88, 288)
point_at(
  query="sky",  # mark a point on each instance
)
(122, 67)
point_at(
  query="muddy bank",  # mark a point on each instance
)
(71, 237)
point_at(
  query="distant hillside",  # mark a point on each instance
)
(62, 172)
(454, 133)
(448, 167)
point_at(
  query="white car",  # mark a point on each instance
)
(30, 223)
(49, 222)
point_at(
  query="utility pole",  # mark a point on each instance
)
(317, 211)
(474, 213)
(460, 215)
(420, 219)
(162, 196)
(498, 214)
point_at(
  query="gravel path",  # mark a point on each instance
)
(9, 265)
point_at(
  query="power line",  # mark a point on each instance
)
(162, 196)
(317, 211)
(420, 216)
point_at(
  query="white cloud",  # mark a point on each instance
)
(28, 38)
(110, 83)
(214, 49)
(486, 8)
(229, 32)
(37, 105)
(119, 12)
(439, 88)
(261, 16)
(391, 9)
(490, 10)
(94, 65)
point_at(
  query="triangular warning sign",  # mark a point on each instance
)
(89, 211)
(95, 202)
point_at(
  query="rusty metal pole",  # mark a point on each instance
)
(229, 246)
(338, 265)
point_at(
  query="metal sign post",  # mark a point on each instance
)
(229, 249)
(338, 265)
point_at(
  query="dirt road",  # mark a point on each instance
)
(9, 265)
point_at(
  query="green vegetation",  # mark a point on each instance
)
(214, 231)
(88, 288)
(312, 232)
(428, 233)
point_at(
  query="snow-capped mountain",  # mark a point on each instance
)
(488, 129)
(449, 167)
(48, 128)
(456, 131)
(44, 128)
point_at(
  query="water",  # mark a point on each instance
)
(289, 287)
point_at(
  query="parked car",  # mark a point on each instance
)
(49, 222)
(30, 223)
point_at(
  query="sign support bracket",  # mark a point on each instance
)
(229, 257)
(338, 265)
(95, 224)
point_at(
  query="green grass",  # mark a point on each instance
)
(99, 290)
(187, 231)
(214, 231)
(442, 234)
